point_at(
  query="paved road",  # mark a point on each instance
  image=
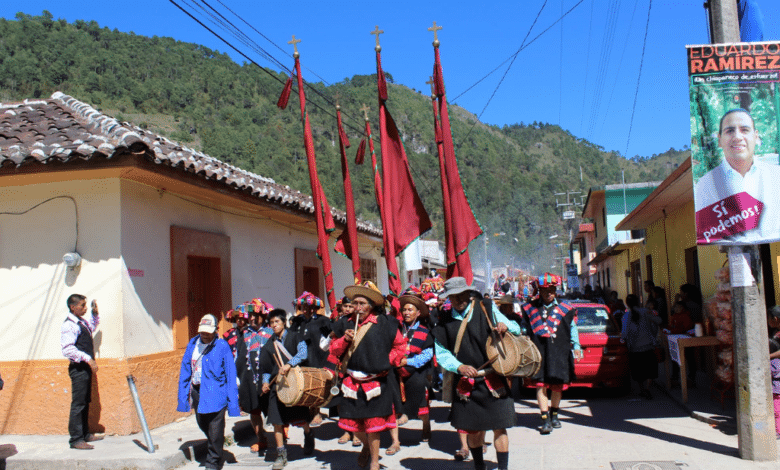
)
(598, 432)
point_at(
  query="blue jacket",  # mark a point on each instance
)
(218, 387)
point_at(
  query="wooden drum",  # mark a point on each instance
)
(514, 355)
(304, 386)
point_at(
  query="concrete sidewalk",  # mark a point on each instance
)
(599, 432)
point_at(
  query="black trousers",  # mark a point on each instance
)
(81, 394)
(213, 426)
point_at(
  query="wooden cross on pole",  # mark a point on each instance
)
(435, 30)
(365, 110)
(294, 42)
(377, 31)
(433, 89)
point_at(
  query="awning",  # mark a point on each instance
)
(674, 192)
(615, 249)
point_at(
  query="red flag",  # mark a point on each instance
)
(460, 225)
(285, 96)
(404, 218)
(322, 212)
(347, 243)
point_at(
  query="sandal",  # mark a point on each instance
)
(344, 439)
(261, 444)
(426, 435)
(365, 457)
(462, 454)
(356, 442)
(393, 449)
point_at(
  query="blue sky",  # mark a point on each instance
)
(581, 74)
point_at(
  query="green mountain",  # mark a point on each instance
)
(205, 100)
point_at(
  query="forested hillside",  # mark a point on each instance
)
(205, 100)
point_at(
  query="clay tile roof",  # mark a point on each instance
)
(64, 129)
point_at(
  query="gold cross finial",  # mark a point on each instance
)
(433, 88)
(435, 29)
(377, 31)
(294, 42)
(365, 110)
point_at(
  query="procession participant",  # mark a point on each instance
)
(208, 377)
(365, 354)
(346, 313)
(481, 402)
(77, 346)
(416, 366)
(247, 342)
(289, 348)
(553, 329)
(312, 328)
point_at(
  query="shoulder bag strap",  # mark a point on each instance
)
(355, 343)
(462, 329)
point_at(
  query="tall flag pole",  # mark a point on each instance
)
(347, 243)
(322, 212)
(377, 176)
(460, 224)
(405, 218)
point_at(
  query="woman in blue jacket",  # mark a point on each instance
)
(208, 377)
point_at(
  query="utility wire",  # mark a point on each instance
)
(229, 44)
(495, 90)
(587, 68)
(75, 208)
(516, 52)
(619, 67)
(639, 77)
(269, 40)
(522, 47)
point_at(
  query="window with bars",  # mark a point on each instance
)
(368, 270)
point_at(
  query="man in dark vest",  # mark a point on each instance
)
(312, 328)
(76, 341)
(482, 401)
(552, 328)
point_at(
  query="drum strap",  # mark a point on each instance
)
(496, 336)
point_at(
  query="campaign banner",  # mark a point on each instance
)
(735, 117)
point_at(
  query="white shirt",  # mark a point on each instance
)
(762, 182)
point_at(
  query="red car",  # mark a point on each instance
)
(605, 358)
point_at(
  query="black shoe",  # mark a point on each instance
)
(308, 443)
(547, 426)
(554, 421)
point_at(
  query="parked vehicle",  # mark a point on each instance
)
(605, 358)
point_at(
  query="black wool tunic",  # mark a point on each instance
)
(482, 411)
(557, 360)
(372, 356)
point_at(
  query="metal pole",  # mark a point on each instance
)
(755, 426)
(141, 416)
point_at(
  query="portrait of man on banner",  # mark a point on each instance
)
(734, 142)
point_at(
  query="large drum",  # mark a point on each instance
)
(304, 386)
(514, 355)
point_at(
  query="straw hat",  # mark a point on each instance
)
(417, 302)
(367, 290)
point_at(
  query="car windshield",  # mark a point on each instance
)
(595, 320)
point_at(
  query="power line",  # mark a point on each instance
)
(498, 85)
(516, 52)
(639, 77)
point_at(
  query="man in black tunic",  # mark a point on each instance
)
(481, 402)
(553, 329)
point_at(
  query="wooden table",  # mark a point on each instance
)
(684, 341)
